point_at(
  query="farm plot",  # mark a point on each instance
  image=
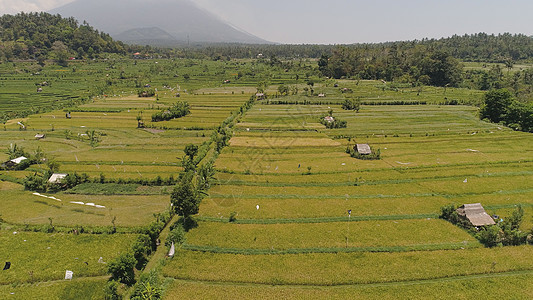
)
(83, 289)
(407, 120)
(513, 285)
(23, 207)
(328, 236)
(44, 257)
(325, 269)
(279, 212)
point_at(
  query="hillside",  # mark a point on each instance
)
(182, 19)
(46, 36)
(148, 36)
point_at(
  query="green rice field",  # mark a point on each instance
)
(290, 214)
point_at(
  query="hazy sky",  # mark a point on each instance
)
(352, 21)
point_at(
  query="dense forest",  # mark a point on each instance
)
(480, 47)
(43, 36)
(419, 65)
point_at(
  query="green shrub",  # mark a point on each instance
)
(35, 182)
(141, 249)
(351, 104)
(148, 287)
(111, 291)
(490, 236)
(176, 235)
(122, 268)
(233, 217)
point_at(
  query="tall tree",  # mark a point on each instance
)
(496, 105)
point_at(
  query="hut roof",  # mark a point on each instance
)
(364, 149)
(475, 213)
(18, 160)
(56, 178)
(329, 119)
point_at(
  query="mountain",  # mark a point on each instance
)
(148, 36)
(181, 19)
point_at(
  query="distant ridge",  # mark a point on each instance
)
(148, 36)
(176, 21)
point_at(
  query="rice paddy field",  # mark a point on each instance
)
(289, 185)
(122, 153)
(291, 215)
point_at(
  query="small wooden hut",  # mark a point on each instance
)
(475, 214)
(363, 149)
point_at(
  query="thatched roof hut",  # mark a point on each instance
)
(475, 213)
(363, 149)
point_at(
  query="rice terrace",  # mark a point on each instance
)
(379, 171)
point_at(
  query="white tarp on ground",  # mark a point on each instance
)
(172, 250)
(68, 275)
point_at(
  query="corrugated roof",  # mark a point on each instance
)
(364, 149)
(476, 214)
(56, 178)
(18, 160)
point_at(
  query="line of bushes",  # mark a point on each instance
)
(178, 110)
(122, 269)
(37, 182)
(394, 102)
(78, 229)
